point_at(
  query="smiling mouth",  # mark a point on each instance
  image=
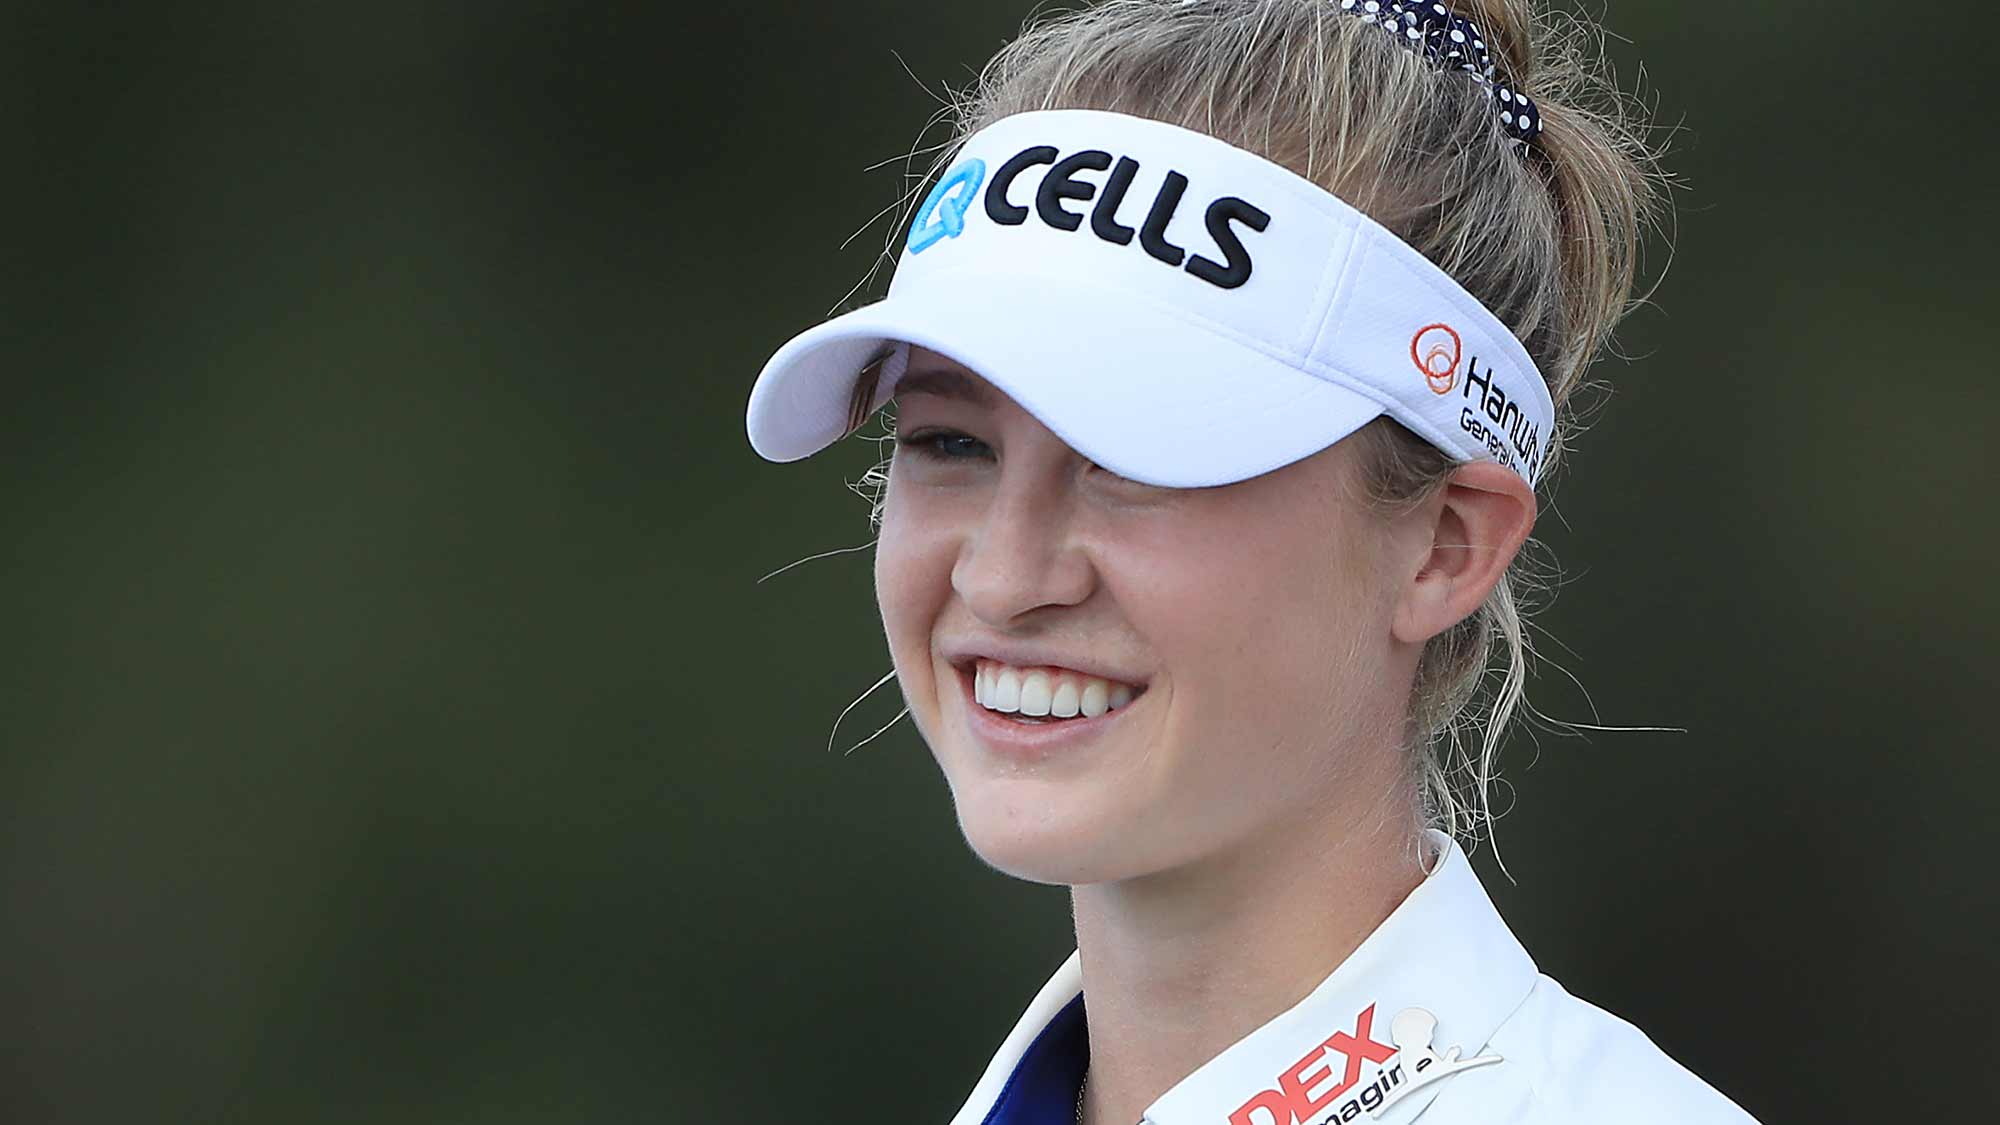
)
(1044, 696)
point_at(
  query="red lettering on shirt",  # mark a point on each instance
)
(1292, 1098)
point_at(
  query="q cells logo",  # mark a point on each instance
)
(1436, 350)
(943, 214)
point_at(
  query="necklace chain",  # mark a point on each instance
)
(1080, 1086)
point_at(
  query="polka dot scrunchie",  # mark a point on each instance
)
(1452, 42)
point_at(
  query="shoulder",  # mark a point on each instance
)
(1568, 1061)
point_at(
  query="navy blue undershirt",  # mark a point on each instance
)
(1044, 1085)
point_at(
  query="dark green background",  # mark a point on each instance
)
(395, 730)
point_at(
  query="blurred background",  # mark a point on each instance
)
(395, 728)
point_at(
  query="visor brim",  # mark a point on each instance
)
(1141, 391)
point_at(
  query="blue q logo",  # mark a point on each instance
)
(943, 214)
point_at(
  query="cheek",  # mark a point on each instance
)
(1267, 626)
(913, 561)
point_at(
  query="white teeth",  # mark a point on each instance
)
(1035, 693)
(1040, 693)
(1064, 705)
(1006, 694)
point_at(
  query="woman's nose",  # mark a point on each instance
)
(1023, 554)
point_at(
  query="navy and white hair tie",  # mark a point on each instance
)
(1453, 42)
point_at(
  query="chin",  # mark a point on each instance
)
(1043, 837)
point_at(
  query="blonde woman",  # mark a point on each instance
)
(1228, 351)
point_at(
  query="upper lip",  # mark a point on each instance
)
(963, 654)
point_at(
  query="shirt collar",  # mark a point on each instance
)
(1444, 950)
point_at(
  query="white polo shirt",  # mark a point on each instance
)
(1439, 1015)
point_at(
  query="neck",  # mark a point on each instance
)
(1179, 965)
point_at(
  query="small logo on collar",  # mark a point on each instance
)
(1416, 1064)
(1331, 1068)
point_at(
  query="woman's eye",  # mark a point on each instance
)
(943, 445)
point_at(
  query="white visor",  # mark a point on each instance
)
(1179, 311)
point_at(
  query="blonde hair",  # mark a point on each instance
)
(1547, 238)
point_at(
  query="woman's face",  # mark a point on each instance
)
(1250, 623)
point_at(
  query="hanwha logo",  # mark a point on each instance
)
(1436, 350)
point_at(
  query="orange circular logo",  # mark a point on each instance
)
(1435, 350)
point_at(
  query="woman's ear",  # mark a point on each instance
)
(1470, 531)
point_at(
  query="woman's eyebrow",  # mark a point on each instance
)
(944, 384)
